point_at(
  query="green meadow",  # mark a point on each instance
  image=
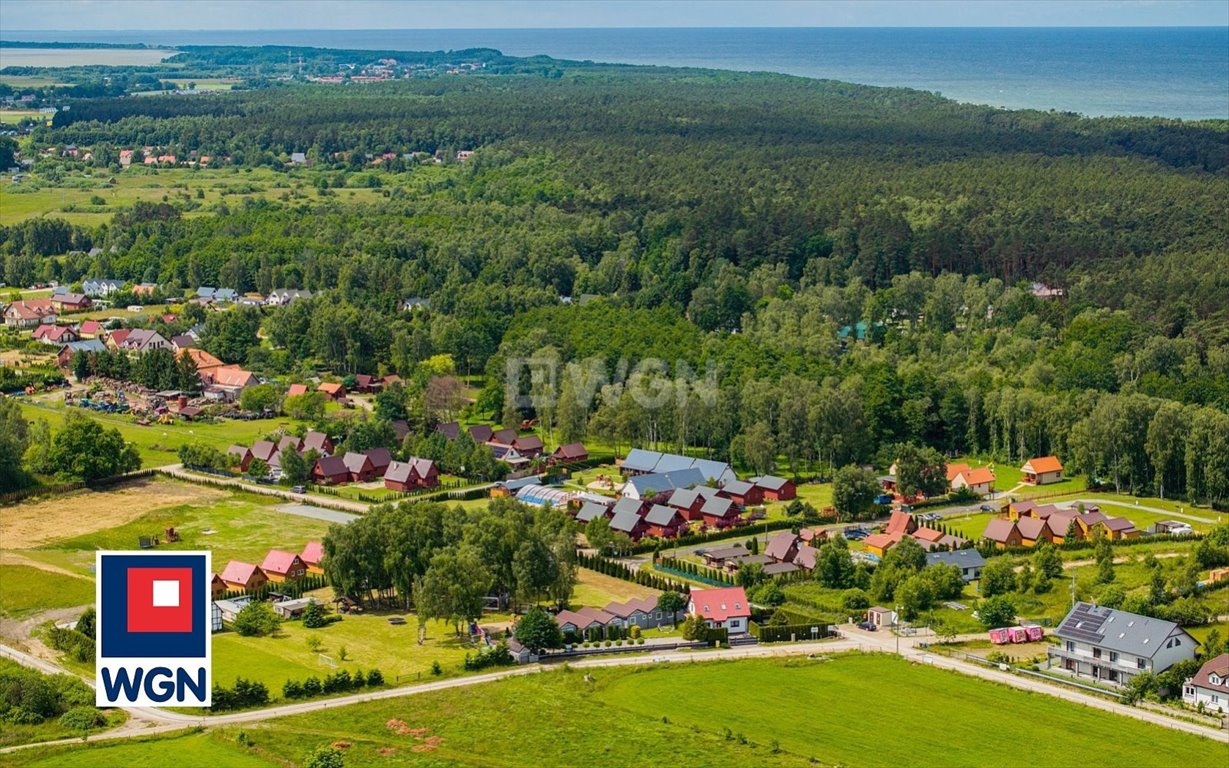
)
(838, 711)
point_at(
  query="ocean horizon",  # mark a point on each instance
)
(1177, 72)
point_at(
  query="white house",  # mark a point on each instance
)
(1209, 686)
(1113, 646)
(101, 287)
(726, 607)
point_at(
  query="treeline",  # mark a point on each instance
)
(446, 561)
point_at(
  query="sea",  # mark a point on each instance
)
(1180, 72)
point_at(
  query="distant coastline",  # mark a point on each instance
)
(1178, 72)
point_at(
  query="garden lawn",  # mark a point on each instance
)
(837, 714)
(598, 590)
(245, 528)
(369, 640)
(158, 443)
(25, 590)
(193, 750)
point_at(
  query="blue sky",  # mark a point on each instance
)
(497, 14)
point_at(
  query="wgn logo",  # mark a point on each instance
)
(153, 629)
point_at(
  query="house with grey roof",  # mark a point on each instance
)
(1113, 646)
(647, 486)
(969, 561)
(101, 287)
(640, 462)
(591, 510)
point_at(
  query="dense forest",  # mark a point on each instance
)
(810, 271)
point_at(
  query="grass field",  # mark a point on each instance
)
(25, 590)
(597, 590)
(369, 640)
(15, 116)
(159, 443)
(244, 527)
(837, 713)
(195, 750)
(203, 187)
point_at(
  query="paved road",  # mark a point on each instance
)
(177, 470)
(153, 721)
(318, 513)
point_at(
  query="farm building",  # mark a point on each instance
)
(244, 577)
(282, 566)
(726, 607)
(775, 488)
(1042, 471)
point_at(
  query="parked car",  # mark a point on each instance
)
(986, 508)
(299, 489)
(869, 627)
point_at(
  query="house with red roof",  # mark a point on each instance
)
(726, 608)
(330, 470)
(90, 329)
(55, 335)
(264, 450)
(332, 391)
(317, 441)
(360, 467)
(29, 313)
(1042, 471)
(380, 459)
(979, 481)
(1209, 686)
(244, 455)
(217, 587)
(312, 554)
(569, 454)
(244, 577)
(296, 389)
(71, 302)
(1004, 533)
(282, 566)
(411, 474)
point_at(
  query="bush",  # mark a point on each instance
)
(436, 669)
(855, 600)
(499, 656)
(312, 687)
(83, 719)
(292, 689)
(375, 678)
(313, 616)
(256, 619)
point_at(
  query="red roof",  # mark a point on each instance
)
(901, 522)
(296, 390)
(1043, 464)
(978, 476)
(956, 469)
(278, 561)
(313, 551)
(332, 389)
(238, 572)
(720, 604)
